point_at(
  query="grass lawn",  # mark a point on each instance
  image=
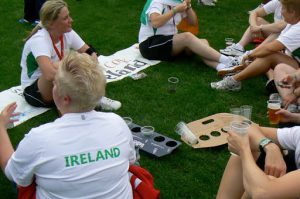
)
(112, 25)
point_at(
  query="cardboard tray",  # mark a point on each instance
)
(157, 144)
(212, 130)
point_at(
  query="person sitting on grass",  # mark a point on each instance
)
(267, 56)
(84, 153)
(43, 50)
(288, 79)
(159, 38)
(277, 176)
(259, 27)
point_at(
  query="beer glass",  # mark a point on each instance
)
(273, 107)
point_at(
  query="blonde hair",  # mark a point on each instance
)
(292, 5)
(48, 13)
(82, 79)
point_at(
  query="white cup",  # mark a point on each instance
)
(229, 41)
(246, 111)
(147, 130)
(239, 127)
(173, 82)
(182, 129)
(128, 121)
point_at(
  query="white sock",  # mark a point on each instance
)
(224, 59)
(220, 66)
(239, 46)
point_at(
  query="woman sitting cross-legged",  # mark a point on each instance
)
(159, 38)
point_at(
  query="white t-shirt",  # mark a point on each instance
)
(40, 44)
(290, 38)
(274, 6)
(289, 138)
(169, 28)
(80, 155)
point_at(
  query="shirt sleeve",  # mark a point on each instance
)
(288, 138)
(39, 46)
(290, 37)
(21, 166)
(270, 6)
(75, 40)
(156, 8)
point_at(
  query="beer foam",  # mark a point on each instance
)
(274, 105)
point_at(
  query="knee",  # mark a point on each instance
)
(283, 68)
(188, 37)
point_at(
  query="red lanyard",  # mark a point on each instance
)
(61, 54)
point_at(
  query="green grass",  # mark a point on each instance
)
(112, 25)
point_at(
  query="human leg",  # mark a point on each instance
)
(231, 185)
(257, 67)
(198, 46)
(34, 96)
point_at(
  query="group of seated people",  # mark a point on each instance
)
(86, 154)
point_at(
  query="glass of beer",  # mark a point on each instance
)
(273, 107)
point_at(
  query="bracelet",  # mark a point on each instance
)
(174, 11)
(189, 7)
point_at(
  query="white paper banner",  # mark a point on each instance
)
(15, 94)
(124, 63)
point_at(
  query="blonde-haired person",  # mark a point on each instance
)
(284, 49)
(43, 50)
(84, 153)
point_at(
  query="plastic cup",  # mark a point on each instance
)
(273, 107)
(229, 41)
(239, 127)
(246, 111)
(173, 82)
(128, 121)
(236, 111)
(182, 129)
(147, 130)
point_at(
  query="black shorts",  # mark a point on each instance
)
(34, 98)
(157, 47)
(289, 161)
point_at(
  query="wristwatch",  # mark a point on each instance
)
(264, 142)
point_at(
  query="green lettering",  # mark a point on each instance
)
(100, 156)
(83, 158)
(67, 161)
(116, 152)
(90, 158)
(108, 153)
(74, 160)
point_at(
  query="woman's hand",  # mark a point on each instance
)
(289, 99)
(288, 81)
(7, 113)
(255, 30)
(237, 142)
(181, 7)
(287, 116)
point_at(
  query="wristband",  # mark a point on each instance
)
(174, 11)
(264, 142)
(91, 50)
